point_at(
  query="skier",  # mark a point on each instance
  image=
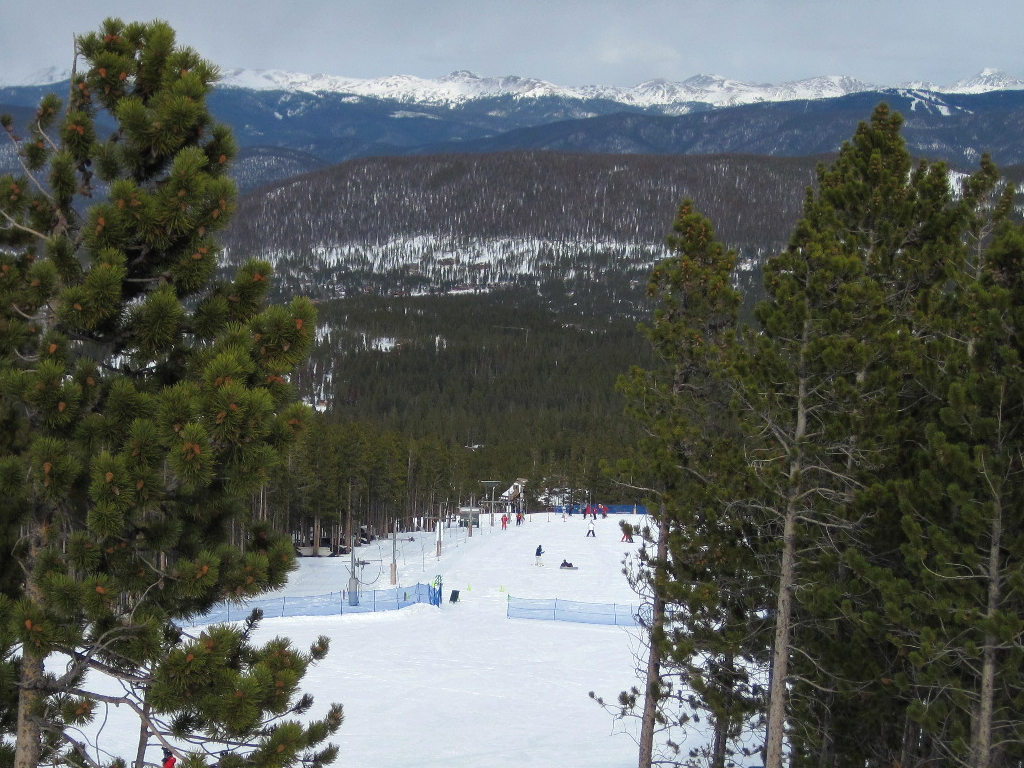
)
(590, 529)
(540, 552)
(169, 758)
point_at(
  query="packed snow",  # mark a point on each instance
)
(462, 684)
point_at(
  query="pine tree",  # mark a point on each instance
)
(877, 410)
(707, 633)
(822, 388)
(959, 626)
(144, 401)
(866, 318)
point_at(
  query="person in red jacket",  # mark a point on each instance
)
(169, 758)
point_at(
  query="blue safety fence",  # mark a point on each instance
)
(570, 610)
(611, 509)
(331, 604)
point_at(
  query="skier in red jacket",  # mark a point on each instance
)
(169, 758)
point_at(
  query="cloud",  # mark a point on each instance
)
(571, 42)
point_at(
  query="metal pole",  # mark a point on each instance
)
(439, 533)
(490, 484)
(394, 554)
(353, 582)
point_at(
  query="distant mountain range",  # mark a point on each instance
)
(289, 123)
(674, 97)
(670, 96)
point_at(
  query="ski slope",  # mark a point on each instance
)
(462, 685)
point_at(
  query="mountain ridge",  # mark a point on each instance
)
(283, 133)
(462, 86)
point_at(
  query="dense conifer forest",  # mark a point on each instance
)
(492, 300)
(486, 370)
(481, 307)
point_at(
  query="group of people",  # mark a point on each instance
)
(627, 532)
(540, 552)
(627, 529)
(506, 518)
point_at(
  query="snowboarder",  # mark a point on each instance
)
(169, 758)
(590, 529)
(540, 552)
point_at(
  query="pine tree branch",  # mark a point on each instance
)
(132, 702)
(21, 227)
(25, 169)
(78, 747)
(18, 311)
(26, 358)
(83, 661)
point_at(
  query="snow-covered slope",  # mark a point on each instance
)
(463, 685)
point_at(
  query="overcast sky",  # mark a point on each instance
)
(567, 42)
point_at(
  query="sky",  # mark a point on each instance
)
(566, 42)
(463, 684)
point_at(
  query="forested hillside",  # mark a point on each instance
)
(394, 225)
(493, 299)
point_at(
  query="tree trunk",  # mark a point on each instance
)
(910, 750)
(780, 657)
(787, 575)
(981, 747)
(140, 748)
(651, 688)
(28, 745)
(825, 758)
(721, 721)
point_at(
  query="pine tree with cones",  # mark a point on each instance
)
(145, 399)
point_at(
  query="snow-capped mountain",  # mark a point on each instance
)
(289, 123)
(714, 90)
(461, 87)
(986, 81)
(456, 88)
